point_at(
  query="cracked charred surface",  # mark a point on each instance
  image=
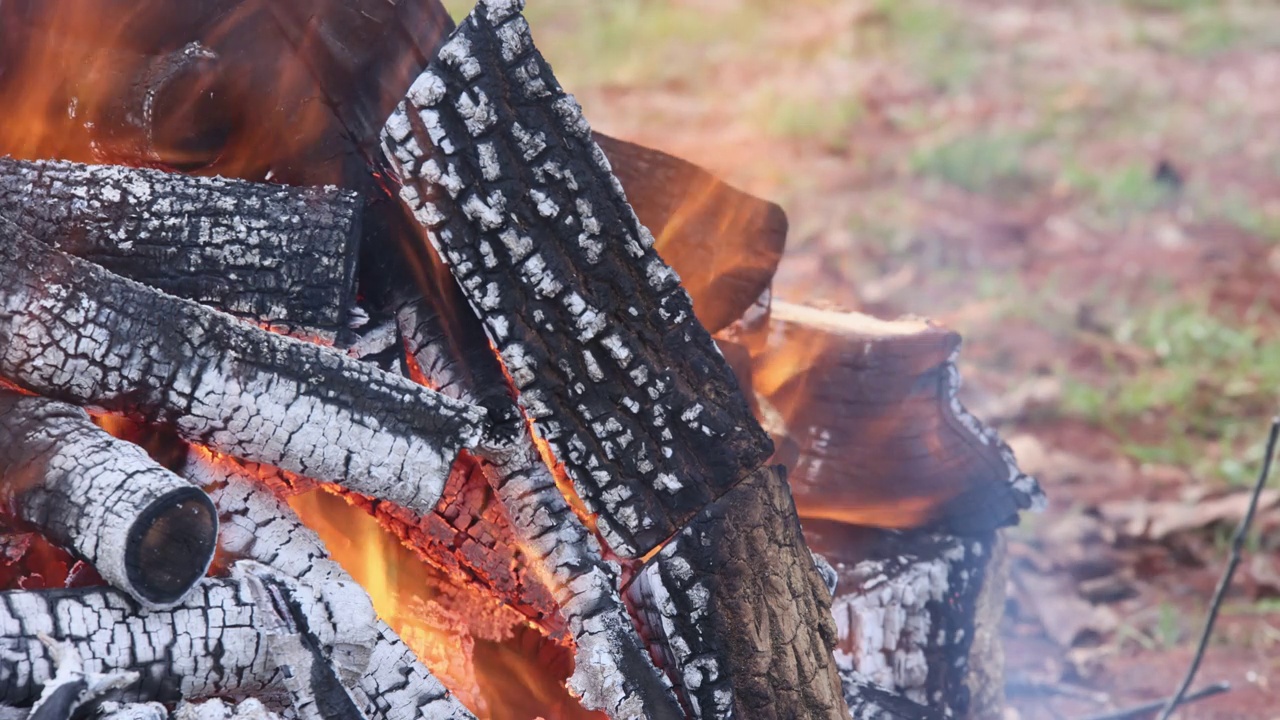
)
(144, 529)
(906, 607)
(385, 678)
(282, 257)
(499, 165)
(612, 669)
(734, 606)
(72, 331)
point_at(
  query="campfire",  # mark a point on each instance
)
(347, 373)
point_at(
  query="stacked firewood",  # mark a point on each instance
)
(287, 336)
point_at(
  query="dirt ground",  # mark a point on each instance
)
(1090, 193)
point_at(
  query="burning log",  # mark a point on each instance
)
(499, 166)
(612, 670)
(865, 413)
(741, 618)
(386, 680)
(145, 530)
(724, 243)
(73, 331)
(283, 257)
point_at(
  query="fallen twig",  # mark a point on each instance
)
(1237, 548)
(1138, 711)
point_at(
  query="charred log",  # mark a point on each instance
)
(72, 331)
(724, 243)
(906, 609)
(145, 530)
(387, 681)
(737, 613)
(282, 257)
(499, 166)
(865, 413)
(612, 670)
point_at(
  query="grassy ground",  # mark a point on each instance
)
(1089, 191)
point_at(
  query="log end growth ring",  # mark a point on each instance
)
(172, 544)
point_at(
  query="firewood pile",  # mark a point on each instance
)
(515, 342)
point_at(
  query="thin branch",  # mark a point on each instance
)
(1237, 548)
(1138, 711)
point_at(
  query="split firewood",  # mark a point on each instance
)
(386, 679)
(601, 341)
(865, 413)
(724, 243)
(144, 529)
(612, 670)
(282, 257)
(72, 331)
(737, 612)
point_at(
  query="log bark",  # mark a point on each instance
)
(738, 614)
(144, 529)
(280, 257)
(387, 680)
(865, 414)
(499, 166)
(724, 243)
(71, 331)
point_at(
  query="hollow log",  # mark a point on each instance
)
(738, 614)
(144, 529)
(72, 331)
(865, 413)
(280, 257)
(387, 680)
(499, 166)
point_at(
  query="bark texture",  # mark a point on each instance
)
(73, 331)
(865, 413)
(499, 165)
(725, 244)
(144, 529)
(282, 257)
(737, 612)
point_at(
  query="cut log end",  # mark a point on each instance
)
(171, 545)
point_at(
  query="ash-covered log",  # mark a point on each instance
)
(72, 331)
(144, 529)
(737, 613)
(908, 608)
(499, 165)
(865, 413)
(281, 257)
(384, 677)
(612, 670)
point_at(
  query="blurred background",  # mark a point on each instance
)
(1087, 190)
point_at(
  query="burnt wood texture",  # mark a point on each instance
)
(72, 331)
(865, 413)
(611, 364)
(282, 257)
(144, 529)
(737, 612)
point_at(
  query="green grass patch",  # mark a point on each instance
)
(934, 38)
(986, 162)
(1118, 193)
(828, 121)
(1208, 385)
